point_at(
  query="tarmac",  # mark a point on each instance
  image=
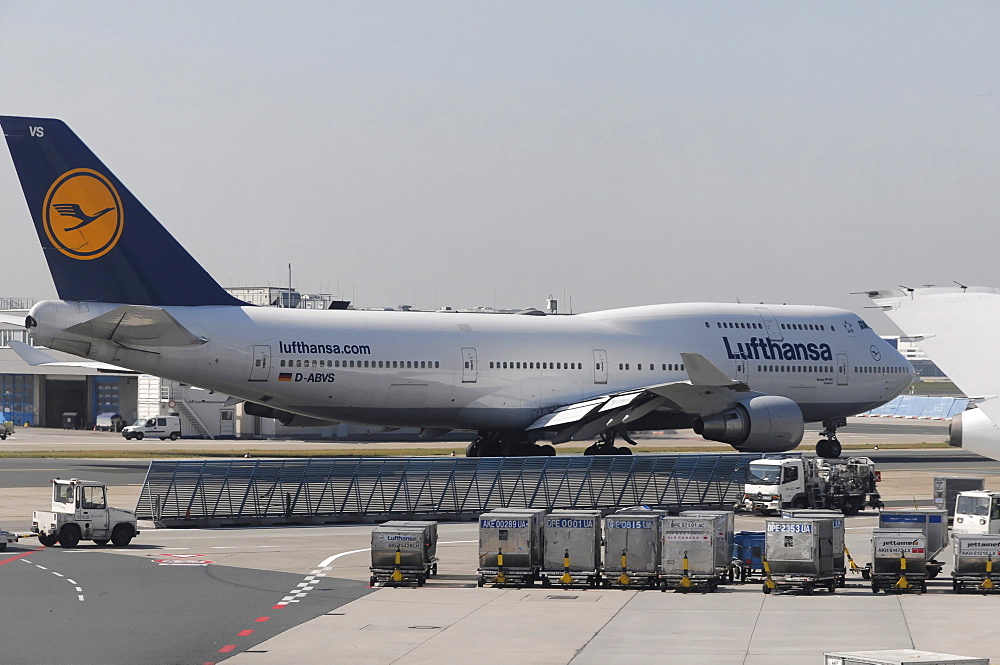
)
(309, 585)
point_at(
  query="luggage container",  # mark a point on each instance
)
(508, 547)
(632, 548)
(837, 517)
(688, 553)
(537, 522)
(976, 558)
(403, 553)
(798, 555)
(898, 561)
(932, 521)
(899, 657)
(572, 548)
(748, 555)
(725, 530)
(946, 489)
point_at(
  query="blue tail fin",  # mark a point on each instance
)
(101, 244)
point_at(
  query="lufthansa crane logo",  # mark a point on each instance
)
(82, 214)
(876, 354)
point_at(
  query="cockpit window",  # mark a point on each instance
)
(863, 325)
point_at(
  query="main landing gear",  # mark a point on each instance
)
(506, 444)
(605, 445)
(829, 446)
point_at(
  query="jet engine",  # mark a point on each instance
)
(284, 417)
(973, 431)
(762, 424)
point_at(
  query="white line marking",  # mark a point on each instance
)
(70, 581)
(79, 589)
(41, 567)
(80, 597)
(59, 574)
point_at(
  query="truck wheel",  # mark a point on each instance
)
(101, 541)
(69, 536)
(3, 437)
(127, 437)
(122, 535)
(173, 436)
(138, 436)
(48, 541)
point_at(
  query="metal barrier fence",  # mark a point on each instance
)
(268, 491)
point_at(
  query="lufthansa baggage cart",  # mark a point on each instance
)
(632, 548)
(403, 553)
(509, 549)
(839, 531)
(572, 548)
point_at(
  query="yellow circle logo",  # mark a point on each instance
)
(82, 214)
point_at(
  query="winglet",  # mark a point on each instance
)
(702, 372)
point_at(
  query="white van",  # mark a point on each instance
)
(165, 427)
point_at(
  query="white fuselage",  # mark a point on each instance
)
(489, 371)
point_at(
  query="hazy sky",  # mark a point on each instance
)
(472, 153)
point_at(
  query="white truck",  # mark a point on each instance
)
(80, 511)
(845, 484)
(164, 427)
(977, 511)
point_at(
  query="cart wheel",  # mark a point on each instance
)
(923, 587)
(712, 586)
(481, 581)
(807, 589)
(832, 586)
(434, 570)
(866, 573)
(372, 581)
(933, 572)
(874, 587)
(956, 586)
(421, 580)
(766, 589)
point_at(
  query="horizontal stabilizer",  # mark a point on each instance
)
(138, 325)
(36, 357)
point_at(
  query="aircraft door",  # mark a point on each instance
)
(261, 367)
(600, 366)
(741, 369)
(227, 422)
(842, 369)
(770, 324)
(470, 367)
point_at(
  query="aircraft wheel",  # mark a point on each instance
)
(546, 451)
(622, 450)
(472, 450)
(823, 448)
(593, 449)
(835, 448)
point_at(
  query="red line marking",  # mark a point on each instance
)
(20, 556)
(261, 619)
(227, 648)
(278, 607)
(244, 633)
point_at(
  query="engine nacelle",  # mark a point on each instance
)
(284, 417)
(973, 431)
(762, 424)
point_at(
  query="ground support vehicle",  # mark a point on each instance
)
(748, 555)
(898, 561)
(899, 657)
(688, 554)
(509, 548)
(976, 559)
(934, 524)
(7, 538)
(839, 532)
(403, 552)
(774, 484)
(946, 489)
(80, 511)
(977, 512)
(572, 548)
(725, 530)
(632, 549)
(798, 555)
(6, 429)
(162, 427)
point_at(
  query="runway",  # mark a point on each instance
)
(299, 595)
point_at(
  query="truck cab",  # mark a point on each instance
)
(80, 511)
(164, 427)
(773, 484)
(977, 512)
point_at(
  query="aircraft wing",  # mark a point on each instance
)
(707, 390)
(956, 328)
(36, 357)
(138, 325)
(12, 320)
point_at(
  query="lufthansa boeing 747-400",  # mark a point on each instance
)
(131, 296)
